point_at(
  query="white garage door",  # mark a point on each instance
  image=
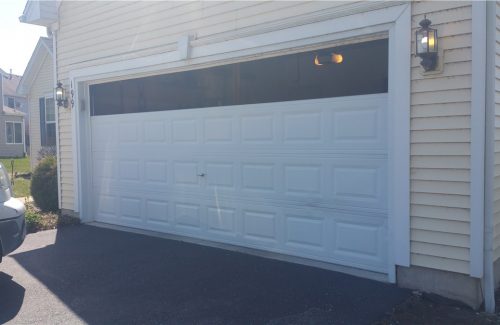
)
(306, 178)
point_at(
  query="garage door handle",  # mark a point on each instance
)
(201, 174)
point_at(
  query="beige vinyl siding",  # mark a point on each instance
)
(496, 174)
(440, 142)
(42, 85)
(93, 33)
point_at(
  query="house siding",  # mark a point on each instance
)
(42, 85)
(496, 173)
(440, 142)
(93, 33)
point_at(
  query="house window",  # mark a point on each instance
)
(363, 70)
(47, 121)
(14, 132)
(50, 121)
(11, 102)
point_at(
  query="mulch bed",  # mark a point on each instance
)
(37, 220)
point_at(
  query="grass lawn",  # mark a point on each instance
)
(21, 165)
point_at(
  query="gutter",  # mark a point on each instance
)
(489, 163)
(54, 30)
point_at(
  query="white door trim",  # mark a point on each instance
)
(396, 21)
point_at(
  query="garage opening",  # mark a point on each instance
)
(285, 154)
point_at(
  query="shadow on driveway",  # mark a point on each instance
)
(106, 276)
(11, 298)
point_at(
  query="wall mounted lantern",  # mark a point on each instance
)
(61, 98)
(427, 45)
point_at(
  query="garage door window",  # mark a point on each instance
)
(363, 70)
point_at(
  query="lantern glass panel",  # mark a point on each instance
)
(432, 41)
(59, 93)
(422, 41)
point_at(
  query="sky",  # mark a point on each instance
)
(17, 40)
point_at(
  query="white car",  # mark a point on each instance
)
(12, 223)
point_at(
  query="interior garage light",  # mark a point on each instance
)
(336, 58)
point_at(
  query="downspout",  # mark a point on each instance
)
(54, 29)
(489, 161)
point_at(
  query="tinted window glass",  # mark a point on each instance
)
(348, 70)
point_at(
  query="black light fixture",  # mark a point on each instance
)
(427, 45)
(61, 98)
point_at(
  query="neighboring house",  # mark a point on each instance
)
(14, 100)
(12, 135)
(37, 84)
(217, 121)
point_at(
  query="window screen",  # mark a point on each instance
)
(363, 70)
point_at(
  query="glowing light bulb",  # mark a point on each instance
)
(316, 61)
(337, 58)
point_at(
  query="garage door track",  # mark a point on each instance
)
(86, 274)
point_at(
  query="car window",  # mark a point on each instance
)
(4, 177)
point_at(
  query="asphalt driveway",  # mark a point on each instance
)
(86, 274)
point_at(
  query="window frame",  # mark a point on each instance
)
(46, 120)
(13, 102)
(14, 135)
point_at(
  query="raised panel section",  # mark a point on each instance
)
(305, 232)
(156, 171)
(221, 220)
(299, 127)
(154, 131)
(106, 204)
(259, 226)
(357, 239)
(360, 184)
(187, 216)
(359, 126)
(185, 173)
(258, 177)
(130, 207)
(184, 131)
(258, 128)
(157, 211)
(220, 175)
(128, 132)
(218, 130)
(302, 179)
(129, 170)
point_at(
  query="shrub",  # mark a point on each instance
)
(44, 184)
(47, 151)
(33, 219)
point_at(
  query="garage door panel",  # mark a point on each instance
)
(360, 183)
(157, 211)
(304, 178)
(187, 216)
(359, 238)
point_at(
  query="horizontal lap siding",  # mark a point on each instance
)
(93, 33)
(496, 194)
(42, 85)
(440, 142)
